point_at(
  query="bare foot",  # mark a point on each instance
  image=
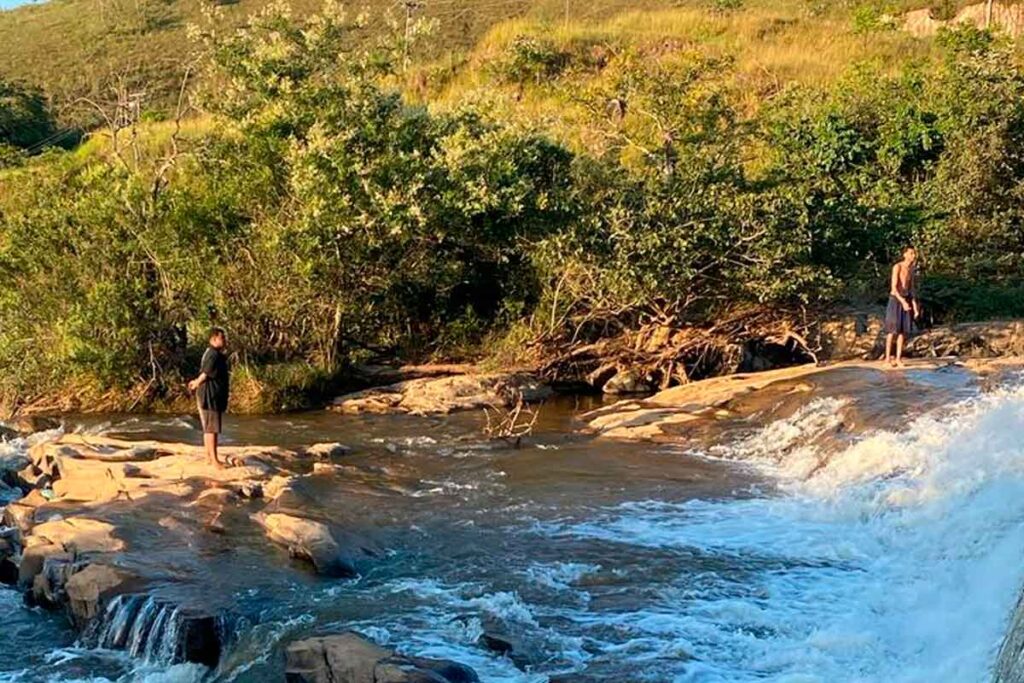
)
(900, 364)
(217, 463)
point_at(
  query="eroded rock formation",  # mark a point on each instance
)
(80, 541)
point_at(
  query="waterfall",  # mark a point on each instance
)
(158, 631)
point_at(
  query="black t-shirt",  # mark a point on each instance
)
(213, 394)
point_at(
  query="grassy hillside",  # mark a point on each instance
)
(81, 48)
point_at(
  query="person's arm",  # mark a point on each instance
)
(913, 293)
(207, 369)
(198, 381)
(894, 288)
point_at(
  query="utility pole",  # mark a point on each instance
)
(566, 14)
(988, 13)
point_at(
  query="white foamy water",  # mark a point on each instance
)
(895, 558)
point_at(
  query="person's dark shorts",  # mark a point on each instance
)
(897, 320)
(211, 420)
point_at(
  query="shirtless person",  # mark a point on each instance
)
(903, 306)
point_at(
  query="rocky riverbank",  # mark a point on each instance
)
(659, 359)
(96, 512)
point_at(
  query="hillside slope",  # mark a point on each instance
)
(82, 48)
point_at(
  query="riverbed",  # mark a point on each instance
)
(867, 529)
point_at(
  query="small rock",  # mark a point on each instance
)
(276, 486)
(88, 587)
(20, 516)
(351, 658)
(628, 382)
(33, 558)
(326, 452)
(250, 489)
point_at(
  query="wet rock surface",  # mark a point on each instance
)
(666, 414)
(351, 658)
(84, 538)
(331, 551)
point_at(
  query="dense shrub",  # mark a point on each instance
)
(323, 218)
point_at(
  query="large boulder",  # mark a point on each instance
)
(89, 588)
(332, 551)
(445, 394)
(351, 658)
(79, 535)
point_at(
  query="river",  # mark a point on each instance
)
(868, 530)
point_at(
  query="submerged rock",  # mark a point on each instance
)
(351, 658)
(331, 551)
(445, 394)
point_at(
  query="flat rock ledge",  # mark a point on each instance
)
(351, 658)
(661, 416)
(66, 540)
(442, 395)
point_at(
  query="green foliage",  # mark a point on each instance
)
(872, 16)
(25, 119)
(529, 59)
(325, 219)
(964, 39)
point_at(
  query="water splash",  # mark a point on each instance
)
(894, 558)
(144, 627)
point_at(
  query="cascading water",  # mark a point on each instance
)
(143, 626)
(823, 547)
(156, 631)
(897, 557)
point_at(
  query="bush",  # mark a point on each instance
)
(529, 59)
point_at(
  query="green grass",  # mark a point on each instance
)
(78, 49)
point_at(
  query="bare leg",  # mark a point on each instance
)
(210, 442)
(899, 350)
(888, 348)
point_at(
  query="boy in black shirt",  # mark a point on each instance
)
(211, 387)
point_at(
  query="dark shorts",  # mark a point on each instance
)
(897, 320)
(211, 420)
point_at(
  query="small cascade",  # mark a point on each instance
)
(158, 631)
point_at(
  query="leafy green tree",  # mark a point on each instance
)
(25, 119)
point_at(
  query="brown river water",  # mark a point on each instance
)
(831, 533)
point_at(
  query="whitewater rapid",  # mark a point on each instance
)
(860, 553)
(895, 557)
